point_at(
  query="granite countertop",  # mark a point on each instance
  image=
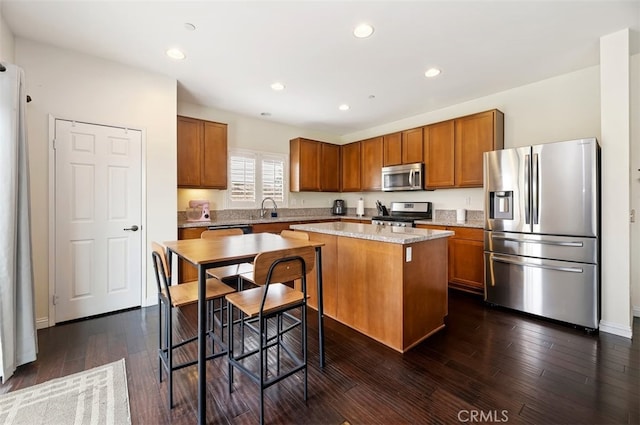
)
(243, 221)
(469, 223)
(391, 234)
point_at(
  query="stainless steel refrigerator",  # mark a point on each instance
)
(542, 228)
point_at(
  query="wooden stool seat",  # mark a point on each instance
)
(187, 293)
(279, 297)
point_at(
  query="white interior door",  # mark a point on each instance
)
(97, 205)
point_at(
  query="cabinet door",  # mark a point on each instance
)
(439, 154)
(372, 164)
(412, 146)
(466, 264)
(475, 135)
(189, 152)
(304, 158)
(393, 149)
(351, 167)
(214, 158)
(329, 167)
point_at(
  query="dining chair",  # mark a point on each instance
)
(172, 297)
(232, 272)
(269, 300)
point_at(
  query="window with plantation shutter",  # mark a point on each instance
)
(254, 176)
(273, 179)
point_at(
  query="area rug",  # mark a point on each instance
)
(96, 396)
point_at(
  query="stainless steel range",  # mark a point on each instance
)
(404, 214)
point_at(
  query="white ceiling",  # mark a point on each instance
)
(239, 48)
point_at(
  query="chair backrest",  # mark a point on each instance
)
(161, 267)
(216, 233)
(292, 234)
(284, 265)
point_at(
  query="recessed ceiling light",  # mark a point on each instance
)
(189, 27)
(343, 107)
(176, 54)
(363, 31)
(432, 72)
(277, 86)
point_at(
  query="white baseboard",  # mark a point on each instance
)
(42, 323)
(153, 300)
(616, 329)
(636, 310)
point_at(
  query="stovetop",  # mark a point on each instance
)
(398, 217)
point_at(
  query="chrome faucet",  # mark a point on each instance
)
(263, 212)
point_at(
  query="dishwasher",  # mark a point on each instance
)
(246, 228)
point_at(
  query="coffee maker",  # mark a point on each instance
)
(339, 207)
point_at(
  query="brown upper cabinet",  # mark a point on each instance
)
(439, 158)
(403, 147)
(314, 166)
(392, 145)
(372, 158)
(350, 167)
(475, 135)
(412, 150)
(454, 149)
(202, 154)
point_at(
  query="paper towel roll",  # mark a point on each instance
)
(461, 215)
(360, 208)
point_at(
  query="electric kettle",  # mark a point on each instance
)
(339, 207)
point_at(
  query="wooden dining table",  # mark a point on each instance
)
(205, 254)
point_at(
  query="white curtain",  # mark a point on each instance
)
(18, 343)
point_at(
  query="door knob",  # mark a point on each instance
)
(132, 228)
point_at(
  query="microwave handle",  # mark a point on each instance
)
(411, 178)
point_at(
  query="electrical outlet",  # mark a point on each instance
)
(409, 254)
(632, 216)
(468, 200)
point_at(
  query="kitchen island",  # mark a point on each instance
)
(390, 283)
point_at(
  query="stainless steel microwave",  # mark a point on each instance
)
(403, 177)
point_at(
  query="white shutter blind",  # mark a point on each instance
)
(273, 179)
(242, 170)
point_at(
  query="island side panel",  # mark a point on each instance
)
(370, 288)
(425, 290)
(329, 275)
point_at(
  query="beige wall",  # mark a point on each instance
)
(74, 86)
(7, 40)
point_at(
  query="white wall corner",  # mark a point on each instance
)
(616, 193)
(616, 329)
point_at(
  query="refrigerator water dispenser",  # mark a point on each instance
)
(501, 205)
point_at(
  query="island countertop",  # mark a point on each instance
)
(391, 234)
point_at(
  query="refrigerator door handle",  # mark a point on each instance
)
(540, 242)
(527, 209)
(535, 208)
(508, 260)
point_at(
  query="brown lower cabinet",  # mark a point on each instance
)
(466, 257)
(187, 272)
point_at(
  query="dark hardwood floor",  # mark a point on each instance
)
(487, 365)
